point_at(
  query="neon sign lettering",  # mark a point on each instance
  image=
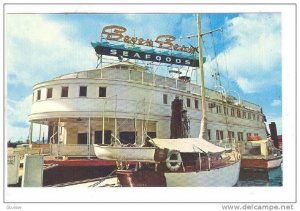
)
(116, 33)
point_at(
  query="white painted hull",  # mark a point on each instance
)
(222, 177)
(123, 153)
(274, 163)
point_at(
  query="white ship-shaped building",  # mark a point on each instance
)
(129, 102)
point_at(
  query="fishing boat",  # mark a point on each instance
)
(260, 154)
(191, 162)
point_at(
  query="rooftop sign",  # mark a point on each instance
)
(115, 33)
(162, 50)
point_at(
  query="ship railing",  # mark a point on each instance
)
(43, 148)
(23, 151)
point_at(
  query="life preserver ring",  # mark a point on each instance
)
(173, 161)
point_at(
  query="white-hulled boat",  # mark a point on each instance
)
(191, 162)
(129, 153)
(218, 177)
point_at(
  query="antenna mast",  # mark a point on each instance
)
(203, 126)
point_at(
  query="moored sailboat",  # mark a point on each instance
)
(191, 162)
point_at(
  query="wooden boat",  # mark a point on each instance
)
(191, 162)
(260, 154)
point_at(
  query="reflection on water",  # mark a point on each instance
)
(251, 177)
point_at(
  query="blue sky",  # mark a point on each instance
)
(40, 47)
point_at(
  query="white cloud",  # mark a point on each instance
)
(18, 111)
(246, 84)
(276, 103)
(253, 57)
(17, 120)
(17, 115)
(38, 49)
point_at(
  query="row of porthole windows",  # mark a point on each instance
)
(219, 110)
(230, 135)
(64, 93)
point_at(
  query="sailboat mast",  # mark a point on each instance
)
(203, 126)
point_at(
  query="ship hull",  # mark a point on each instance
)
(131, 178)
(220, 177)
(226, 176)
(261, 163)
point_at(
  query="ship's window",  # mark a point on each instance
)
(32, 96)
(219, 134)
(255, 134)
(225, 110)
(232, 112)
(107, 137)
(238, 113)
(165, 99)
(249, 115)
(196, 104)
(102, 91)
(248, 134)
(49, 93)
(127, 137)
(38, 97)
(230, 135)
(82, 91)
(218, 109)
(208, 134)
(253, 116)
(188, 102)
(64, 91)
(253, 150)
(258, 117)
(244, 114)
(82, 138)
(210, 107)
(240, 136)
